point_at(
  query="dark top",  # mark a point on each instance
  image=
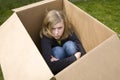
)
(46, 49)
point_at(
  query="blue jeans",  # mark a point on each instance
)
(68, 49)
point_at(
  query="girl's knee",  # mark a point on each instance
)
(69, 44)
(57, 48)
(58, 52)
(70, 48)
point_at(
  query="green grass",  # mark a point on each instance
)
(7, 5)
(106, 11)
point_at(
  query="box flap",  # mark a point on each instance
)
(101, 63)
(19, 57)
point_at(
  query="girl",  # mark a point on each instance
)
(59, 45)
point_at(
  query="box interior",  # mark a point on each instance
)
(32, 16)
(90, 31)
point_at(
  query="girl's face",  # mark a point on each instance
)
(57, 30)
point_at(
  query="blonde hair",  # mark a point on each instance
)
(52, 18)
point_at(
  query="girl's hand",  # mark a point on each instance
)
(53, 59)
(77, 55)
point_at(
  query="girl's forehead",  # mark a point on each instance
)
(59, 24)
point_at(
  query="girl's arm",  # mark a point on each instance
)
(55, 66)
(79, 44)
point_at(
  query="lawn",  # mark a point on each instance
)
(106, 11)
(7, 5)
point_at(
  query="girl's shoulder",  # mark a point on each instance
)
(45, 38)
(73, 34)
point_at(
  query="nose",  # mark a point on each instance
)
(56, 32)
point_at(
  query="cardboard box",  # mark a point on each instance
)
(20, 58)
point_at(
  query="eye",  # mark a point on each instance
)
(53, 28)
(59, 27)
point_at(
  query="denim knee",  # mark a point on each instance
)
(70, 48)
(58, 52)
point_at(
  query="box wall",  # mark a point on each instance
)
(19, 57)
(101, 63)
(32, 16)
(89, 30)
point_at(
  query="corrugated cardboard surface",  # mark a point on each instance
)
(19, 57)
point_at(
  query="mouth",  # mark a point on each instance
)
(57, 37)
